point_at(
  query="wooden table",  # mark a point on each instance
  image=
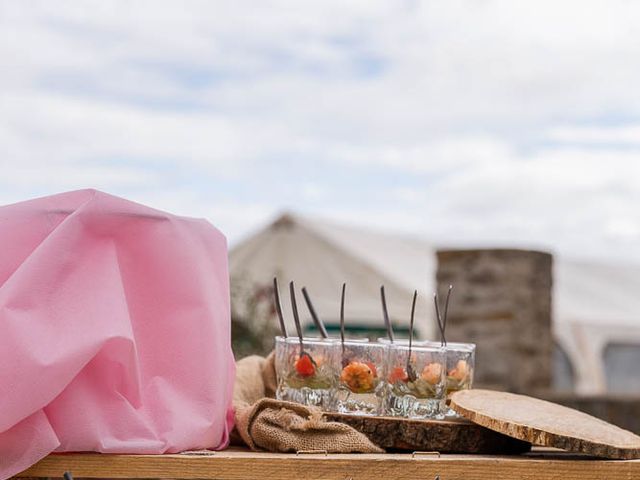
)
(242, 464)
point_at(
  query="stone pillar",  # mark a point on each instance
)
(502, 302)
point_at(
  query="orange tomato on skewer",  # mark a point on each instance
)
(358, 376)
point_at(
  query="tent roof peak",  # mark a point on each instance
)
(285, 220)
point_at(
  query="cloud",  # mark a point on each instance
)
(471, 122)
(626, 135)
(427, 157)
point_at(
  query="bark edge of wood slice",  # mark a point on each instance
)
(545, 423)
(444, 436)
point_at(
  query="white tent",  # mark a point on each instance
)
(594, 305)
(321, 256)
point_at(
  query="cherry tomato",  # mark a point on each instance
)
(398, 374)
(305, 366)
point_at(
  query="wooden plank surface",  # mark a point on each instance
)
(445, 436)
(245, 465)
(545, 423)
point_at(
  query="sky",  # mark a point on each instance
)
(476, 123)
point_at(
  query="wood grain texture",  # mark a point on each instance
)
(454, 436)
(545, 423)
(236, 465)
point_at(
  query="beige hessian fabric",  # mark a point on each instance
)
(278, 426)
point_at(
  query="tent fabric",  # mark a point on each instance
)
(595, 305)
(115, 330)
(596, 293)
(321, 256)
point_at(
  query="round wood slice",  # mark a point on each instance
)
(545, 423)
(454, 436)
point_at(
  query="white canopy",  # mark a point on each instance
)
(595, 305)
(321, 256)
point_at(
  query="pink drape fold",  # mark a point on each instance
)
(114, 330)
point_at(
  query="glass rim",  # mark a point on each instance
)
(305, 340)
(401, 341)
(416, 347)
(456, 346)
(361, 343)
(359, 340)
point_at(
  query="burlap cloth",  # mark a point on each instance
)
(264, 423)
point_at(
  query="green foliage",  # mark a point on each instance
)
(253, 321)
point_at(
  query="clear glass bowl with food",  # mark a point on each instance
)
(415, 380)
(307, 373)
(460, 360)
(361, 387)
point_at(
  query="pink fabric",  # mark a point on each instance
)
(114, 330)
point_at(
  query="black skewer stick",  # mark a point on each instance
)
(442, 321)
(316, 319)
(443, 340)
(296, 318)
(276, 291)
(446, 311)
(344, 287)
(385, 314)
(411, 373)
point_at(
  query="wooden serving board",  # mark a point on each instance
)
(545, 423)
(446, 436)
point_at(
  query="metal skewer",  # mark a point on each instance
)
(439, 320)
(446, 310)
(435, 302)
(276, 291)
(411, 373)
(344, 287)
(316, 319)
(385, 314)
(296, 318)
(442, 321)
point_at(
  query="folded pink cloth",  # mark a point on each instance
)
(114, 330)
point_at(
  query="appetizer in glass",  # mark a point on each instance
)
(416, 380)
(361, 386)
(460, 360)
(307, 371)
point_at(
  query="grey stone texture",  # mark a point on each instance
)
(502, 302)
